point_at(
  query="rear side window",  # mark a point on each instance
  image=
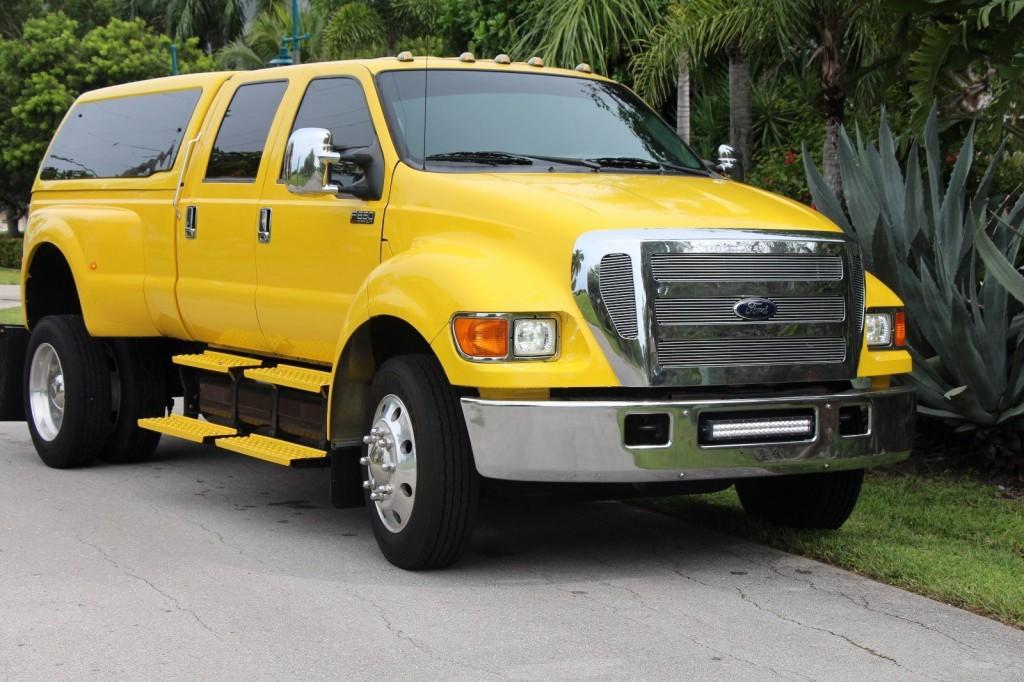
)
(128, 137)
(238, 149)
(337, 104)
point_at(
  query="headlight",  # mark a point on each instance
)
(886, 329)
(878, 328)
(493, 337)
(534, 338)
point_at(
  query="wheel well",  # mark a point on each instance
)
(374, 343)
(50, 287)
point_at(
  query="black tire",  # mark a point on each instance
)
(823, 500)
(141, 377)
(439, 529)
(12, 366)
(87, 419)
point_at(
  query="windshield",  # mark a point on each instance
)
(488, 118)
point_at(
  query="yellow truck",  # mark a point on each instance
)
(437, 277)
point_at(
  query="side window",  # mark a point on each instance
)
(127, 137)
(337, 104)
(238, 149)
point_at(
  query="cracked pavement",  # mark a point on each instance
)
(205, 564)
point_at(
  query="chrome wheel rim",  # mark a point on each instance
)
(46, 392)
(390, 463)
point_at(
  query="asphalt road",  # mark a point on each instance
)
(205, 564)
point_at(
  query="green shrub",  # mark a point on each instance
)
(949, 257)
(779, 170)
(10, 253)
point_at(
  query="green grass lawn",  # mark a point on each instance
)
(11, 316)
(953, 540)
(8, 276)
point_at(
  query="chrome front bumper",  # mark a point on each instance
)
(584, 440)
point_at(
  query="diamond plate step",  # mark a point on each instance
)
(299, 378)
(273, 450)
(214, 361)
(186, 428)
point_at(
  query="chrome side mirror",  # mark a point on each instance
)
(307, 162)
(726, 161)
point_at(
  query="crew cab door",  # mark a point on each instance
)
(219, 213)
(317, 250)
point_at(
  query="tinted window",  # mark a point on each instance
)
(128, 137)
(238, 149)
(528, 114)
(338, 105)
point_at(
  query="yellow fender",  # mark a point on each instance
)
(110, 281)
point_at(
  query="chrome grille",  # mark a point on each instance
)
(857, 298)
(745, 267)
(662, 301)
(697, 311)
(740, 352)
(617, 294)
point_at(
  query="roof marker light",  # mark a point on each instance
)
(404, 56)
(502, 59)
(536, 61)
(584, 68)
(467, 57)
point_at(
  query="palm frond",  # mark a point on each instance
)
(599, 32)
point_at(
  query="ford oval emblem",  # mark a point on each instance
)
(756, 309)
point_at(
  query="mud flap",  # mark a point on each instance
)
(13, 342)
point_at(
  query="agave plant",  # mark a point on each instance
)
(949, 255)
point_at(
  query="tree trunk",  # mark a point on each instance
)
(12, 223)
(740, 110)
(830, 149)
(833, 94)
(683, 98)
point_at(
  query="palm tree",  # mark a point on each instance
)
(214, 22)
(601, 33)
(695, 30)
(374, 28)
(839, 36)
(262, 39)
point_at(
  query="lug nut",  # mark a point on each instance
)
(366, 485)
(364, 461)
(376, 497)
(388, 467)
(385, 489)
(367, 440)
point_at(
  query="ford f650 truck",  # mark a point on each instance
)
(436, 275)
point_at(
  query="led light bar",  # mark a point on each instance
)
(758, 429)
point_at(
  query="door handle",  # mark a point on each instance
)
(190, 222)
(263, 229)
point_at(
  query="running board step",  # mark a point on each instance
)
(274, 450)
(213, 361)
(186, 428)
(299, 378)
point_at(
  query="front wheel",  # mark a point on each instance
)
(420, 480)
(823, 500)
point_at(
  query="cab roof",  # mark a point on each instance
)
(374, 66)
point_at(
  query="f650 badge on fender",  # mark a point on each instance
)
(756, 309)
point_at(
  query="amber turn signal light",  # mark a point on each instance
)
(482, 337)
(899, 329)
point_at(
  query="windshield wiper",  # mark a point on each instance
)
(631, 162)
(567, 160)
(488, 158)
